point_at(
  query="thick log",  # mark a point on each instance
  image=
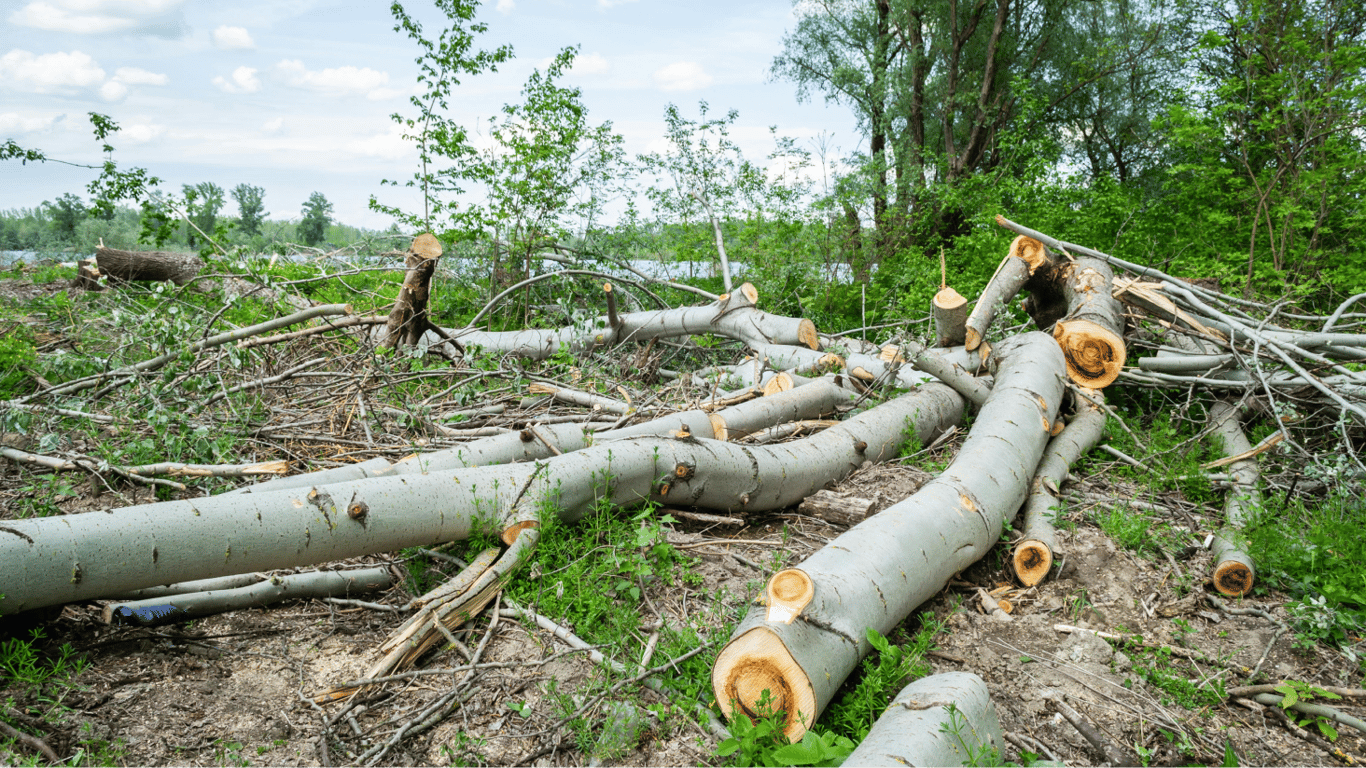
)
(950, 312)
(85, 556)
(1034, 554)
(919, 728)
(152, 266)
(408, 319)
(1092, 335)
(833, 508)
(1009, 278)
(1234, 571)
(876, 573)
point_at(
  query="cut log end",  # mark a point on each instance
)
(1233, 578)
(756, 662)
(751, 294)
(426, 245)
(511, 533)
(718, 426)
(948, 299)
(1095, 354)
(972, 338)
(806, 334)
(1033, 559)
(1030, 251)
(780, 383)
(789, 591)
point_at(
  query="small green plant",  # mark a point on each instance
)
(881, 676)
(1294, 692)
(762, 743)
(976, 752)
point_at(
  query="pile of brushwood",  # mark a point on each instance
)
(371, 433)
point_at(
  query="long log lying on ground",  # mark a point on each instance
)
(945, 719)
(181, 269)
(734, 317)
(90, 555)
(1234, 571)
(876, 573)
(1034, 554)
(819, 398)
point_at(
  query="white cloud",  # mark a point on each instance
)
(141, 133)
(682, 76)
(337, 81)
(113, 91)
(136, 76)
(591, 64)
(227, 38)
(104, 17)
(613, 3)
(15, 124)
(50, 72)
(505, 6)
(244, 80)
(273, 126)
(389, 145)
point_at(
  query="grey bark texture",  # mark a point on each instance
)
(733, 318)
(919, 728)
(876, 573)
(1234, 571)
(155, 611)
(114, 551)
(1034, 554)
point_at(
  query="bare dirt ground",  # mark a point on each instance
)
(233, 689)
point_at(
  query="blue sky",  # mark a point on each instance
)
(295, 95)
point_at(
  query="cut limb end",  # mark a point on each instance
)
(1233, 578)
(972, 338)
(806, 334)
(1095, 354)
(1033, 559)
(758, 662)
(788, 593)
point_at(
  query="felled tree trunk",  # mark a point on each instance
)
(1034, 554)
(950, 312)
(734, 316)
(151, 266)
(945, 719)
(85, 556)
(876, 573)
(408, 318)
(1234, 572)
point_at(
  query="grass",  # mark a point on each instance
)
(36, 682)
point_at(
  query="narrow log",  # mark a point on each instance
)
(1034, 554)
(155, 611)
(1009, 278)
(86, 556)
(833, 508)
(919, 728)
(151, 266)
(1234, 571)
(950, 312)
(408, 319)
(876, 573)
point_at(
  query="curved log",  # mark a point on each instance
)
(1034, 554)
(86, 556)
(918, 727)
(876, 573)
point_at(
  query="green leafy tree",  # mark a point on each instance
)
(203, 201)
(548, 170)
(448, 161)
(66, 214)
(317, 215)
(251, 207)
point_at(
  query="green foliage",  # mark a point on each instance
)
(1294, 692)
(881, 676)
(16, 354)
(251, 208)
(317, 212)
(1315, 552)
(1160, 669)
(762, 743)
(444, 150)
